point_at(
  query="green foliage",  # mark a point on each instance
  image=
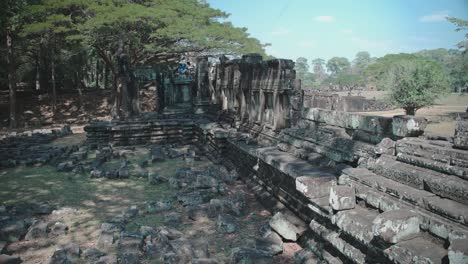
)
(462, 25)
(336, 65)
(302, 72)
(454, 63)
(414, 83)
(361, 61)
(375, 71)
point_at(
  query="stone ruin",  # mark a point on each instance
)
(350, 188)
(333, 101)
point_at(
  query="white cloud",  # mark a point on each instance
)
(306, 44)
(434, 17)
(347, 31)
(325, 19)
(281, 31)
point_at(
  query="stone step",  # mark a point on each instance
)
(417, 250)
(437, 214)
(358, 223)
(436, 150)
(443, 185)
(434, 165)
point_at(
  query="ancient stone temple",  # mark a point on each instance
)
(349, 188)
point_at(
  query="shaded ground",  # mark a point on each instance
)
(93, 201)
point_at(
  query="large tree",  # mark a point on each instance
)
(462, 25)
(337, 64)
(414, 83)
(127, 33)
(361, 61)
(302, 71)
(319, 69)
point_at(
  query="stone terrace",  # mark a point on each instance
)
(369, 189)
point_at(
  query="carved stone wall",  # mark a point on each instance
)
(253, 91)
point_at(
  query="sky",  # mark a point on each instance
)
(324, 29)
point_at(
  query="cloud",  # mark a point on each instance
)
(325, 19)
(306, 44)
(434, 17)
(281, 31)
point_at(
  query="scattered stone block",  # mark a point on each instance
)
(105, 241)
(272, 243)
(249, 255)
(204, 261)
(158, 206)
(458, 251)
(226, 224)
(131, 212)
(460, 140)
(288, 226)
(107, 260)
(314, 187)
(92, 254)
(305, 256)
(37, 230)
(59, 257)
(342, 198)
(58, 228)
(109, 227)
(396, 225)
(154, 178)
(386, 146)
(7, 259)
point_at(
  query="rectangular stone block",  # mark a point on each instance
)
(342, 198)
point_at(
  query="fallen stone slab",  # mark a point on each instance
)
(272, 243)
(342, 198)
(396, 225)
(226, 224)
(458, 251)
(288, 225)
(249, 255)
(7, 259)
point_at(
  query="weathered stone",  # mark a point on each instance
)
(58, 228)
(396, 225)
(226, 224)
(11, 230)
(408, 126)
(272, 243)
(386, 146)
(158, 206)
(92, 254)
(131, 212)
(458, 251)
(60, 257)
(249, 255)
(109, 227)
(172, 219)
(129, 248)
(154, 178)
(305, 256)
(65, 166)
(204, 261)
(288, 226)
(105, 241)
(107, 260)
(460, 139)
(195, 198)
(7, 259)
(37, 230)
(342, 198)
(314, 187)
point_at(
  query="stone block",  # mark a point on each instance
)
(249, 255)
(342, 198)
(288, 226)
(460, 140)
(408, 126)
(314, 187)
(396, 225)
(272, 244)
(458, 251)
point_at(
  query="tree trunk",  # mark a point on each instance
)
(11, 78)
(106, 76)
(97, 73)
(54, 91)
(410, 111)
(38, 74)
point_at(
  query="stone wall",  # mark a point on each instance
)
(331, 101)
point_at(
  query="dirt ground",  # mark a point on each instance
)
(89, 202)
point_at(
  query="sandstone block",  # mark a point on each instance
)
(458, 251)
(408, 126)
(396, 225)
(288, 226)
(342, 198)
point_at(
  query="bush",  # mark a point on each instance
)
(414, 83)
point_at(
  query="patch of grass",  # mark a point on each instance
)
(74, 139)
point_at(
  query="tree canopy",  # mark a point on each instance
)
(337, 64)
(414, 83)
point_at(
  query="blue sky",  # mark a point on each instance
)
(324, 29)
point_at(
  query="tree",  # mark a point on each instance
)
(318, 68)
(10, 21)
(462, 25)
(414, 83)
(127, 33)
(361, 61)
(337, 64)
(302, 72)
(375, 71)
